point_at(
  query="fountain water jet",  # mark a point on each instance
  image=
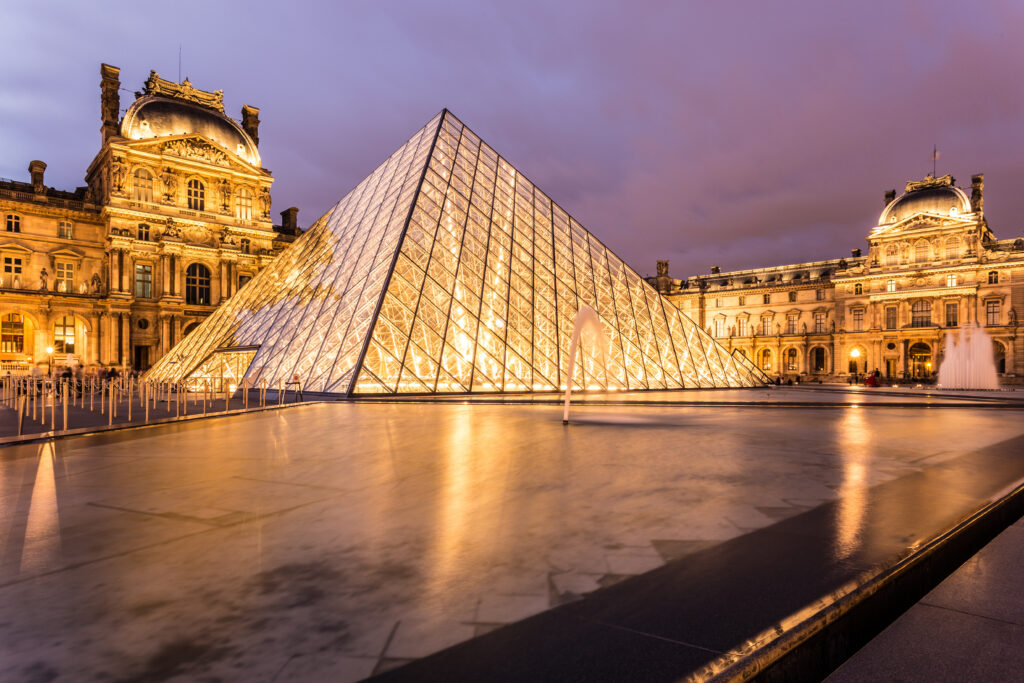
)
(968, 362)
(586, 317)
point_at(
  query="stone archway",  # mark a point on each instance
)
(919, 360)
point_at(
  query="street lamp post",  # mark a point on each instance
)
(49, 361)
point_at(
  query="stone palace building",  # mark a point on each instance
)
(932, 264)
(174, 218)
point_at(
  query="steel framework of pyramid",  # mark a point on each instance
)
(447, 271)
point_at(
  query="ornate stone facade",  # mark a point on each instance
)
(175, 218)
(932, 264)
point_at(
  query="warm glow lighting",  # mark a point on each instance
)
(49, 349)
(855, 353)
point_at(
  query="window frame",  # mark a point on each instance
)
(60, 338)
(142, 185)
(12, 333)
(993, 313)
(12, 222)
(194, 285)
(141, 281)
(195, 194)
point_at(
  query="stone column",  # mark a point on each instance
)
(165, 288)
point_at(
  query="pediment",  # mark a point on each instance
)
(67, 252)
(919, 222)
(15, 247)
(192, 147)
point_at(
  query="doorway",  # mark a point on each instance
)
(920, 361)
(141, 358)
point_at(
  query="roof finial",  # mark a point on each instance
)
(935, 157)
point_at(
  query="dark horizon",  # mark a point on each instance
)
(737, 136)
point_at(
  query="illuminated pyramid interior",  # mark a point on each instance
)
(447, 271)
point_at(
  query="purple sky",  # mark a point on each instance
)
(734, 133)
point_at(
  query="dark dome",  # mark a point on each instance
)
(945, 200)
(155, 117)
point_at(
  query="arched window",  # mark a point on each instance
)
(766, 360)
(64, 335)
(196, 195)
(921, 252)
(993, 278)
(892, 255)
(197, 285)
(858, 288)
(142, 185)
(818, 359)
(12, 333)
(791, 360)
(952, 248)
(792, 296)
(243, 204)
(921, 314)
(245, 245)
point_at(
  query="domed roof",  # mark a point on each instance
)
(933, 195)
(152, 116)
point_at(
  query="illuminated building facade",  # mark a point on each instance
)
(174, 218)
(932, 264)
(447, 271)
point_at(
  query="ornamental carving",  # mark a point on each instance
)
(194, 149)
(196, 235)
(183, 91)
(930, 181)
(170, 184)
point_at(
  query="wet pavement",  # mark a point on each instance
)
(334, 541)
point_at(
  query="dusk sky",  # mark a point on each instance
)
(739, 134)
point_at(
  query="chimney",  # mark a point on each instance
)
(110, 100)
(889, 196)
(251, 122)
(977, 186)
(290, 221)
(35, 170)
(715, 270)
(855, 253)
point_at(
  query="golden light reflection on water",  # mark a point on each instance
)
(41, 549)
(854, 444)
(454, 501)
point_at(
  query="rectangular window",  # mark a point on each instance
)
(766, 326)
(952, 314)
(741, 327)
(12, 265)
(245, 245)
(64, 230)
(143, 281)
(890, 317)
(819, 294)
(791, 323)
(890, 286)
(143, 233)
(858, 320)
(718, 303)
(951, 280)
(991, 312)
(819, 322)
(243, 280)
(743, 300)
(767, 299)
(13, 223)
(921, 314)
(12, 333)
(719, 327)
(65, 281)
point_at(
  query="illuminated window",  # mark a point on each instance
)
(993, 278)
(65, 280)
(197, 284)
(243, 280)
(767, 299)
(143, 233)
(245, 245)
(952, 314)
(142, 185)
(819, 323)
(196, 195)
(952, 248)
(12, 265)
(766, 360)
(719, 327)
(13, 223)
(791, 323)
(243, 204)
(921, 252)
(858, 288)
(890, 317)
(921, 314)
(766, 326)
(791, 360)
(890, 286)
(64, 335)
(951, 280)
(12, 333)
(991, 312)
(741, 327)
(64, 230)
(858, 320)
(892, 255)
(819, 294)
(143, 280)
(792, 296)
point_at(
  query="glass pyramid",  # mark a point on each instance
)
(447, 271)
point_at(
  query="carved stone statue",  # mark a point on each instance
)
(803, 327)
(83, 287)
(43, 275)
(662, 267)
(117, 175)
(170, 184)
(61, 287)
(264, 202)
(225, 194)
(96, 283)
(16, 284)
